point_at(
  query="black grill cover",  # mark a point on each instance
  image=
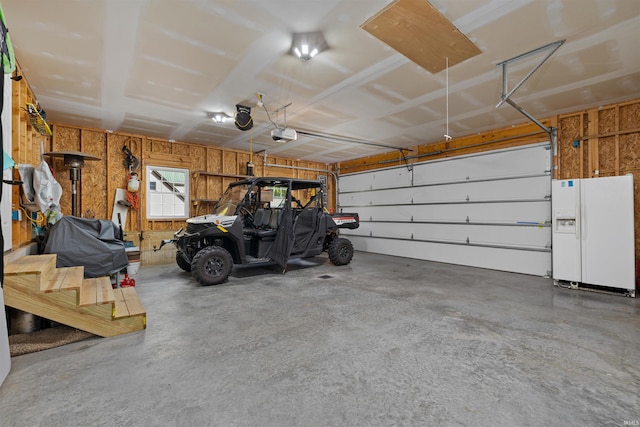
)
(91, 243)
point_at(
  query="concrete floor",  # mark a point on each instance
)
(383, 341)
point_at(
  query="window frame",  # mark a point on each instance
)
(149, 193)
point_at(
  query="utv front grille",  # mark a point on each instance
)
(196, 228)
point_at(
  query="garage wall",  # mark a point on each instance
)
(489, 210)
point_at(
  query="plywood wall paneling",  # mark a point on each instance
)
(572, 129)
(216, 187)
(584, 155)
(93, 185)
(229, 162)
(225, 183)
(163, 225)
(198, 158)
(607, 156)
(163, 147)
(198, 163)
(180, 149)
(64, 139)
(630, 116)
(606, 120)
(569, 130)
(630, 153)
(243, 158)
(152, 239)
(116, 172)
(214, 160)
(163, 159)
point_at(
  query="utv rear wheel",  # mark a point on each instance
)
(182, 263)
(212, 265)
(340, 251)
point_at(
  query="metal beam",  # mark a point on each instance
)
(506, 94)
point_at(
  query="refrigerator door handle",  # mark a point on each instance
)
(583, 221)
(578, 208)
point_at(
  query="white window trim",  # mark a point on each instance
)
(187, 193)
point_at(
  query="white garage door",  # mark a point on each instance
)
(490, 210)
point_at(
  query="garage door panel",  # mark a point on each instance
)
(510, 213)
(492, 201)
(521, 236)
(526, 262)
(376, 180)
(515, 162)
(511, 189)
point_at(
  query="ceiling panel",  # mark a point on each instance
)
(157, 67)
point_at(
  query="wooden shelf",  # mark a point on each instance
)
(222, 175)
(197, 201)
(201, 202)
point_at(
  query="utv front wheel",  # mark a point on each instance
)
(212, 265)
(182, 263)
(340, 251)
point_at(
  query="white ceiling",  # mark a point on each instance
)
(156, 67)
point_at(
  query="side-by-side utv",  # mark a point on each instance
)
(261, 221)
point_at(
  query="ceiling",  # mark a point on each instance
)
(156, 67)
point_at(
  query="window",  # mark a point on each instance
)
(167, 193)
(279, 196)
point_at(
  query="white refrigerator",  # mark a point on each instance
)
(593, 232)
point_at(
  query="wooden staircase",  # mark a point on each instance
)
(34, 284)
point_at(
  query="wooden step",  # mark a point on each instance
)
(95, 291)
(96, 297)
(97, 319)
(33, 284)
(127, 303)
(64, 279)
(32, 269)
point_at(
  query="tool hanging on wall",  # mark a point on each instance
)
(131, 162)
(38, 119)
(133, 185)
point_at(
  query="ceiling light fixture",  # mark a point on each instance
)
(218, 117)
(307, 45)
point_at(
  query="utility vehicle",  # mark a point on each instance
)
(261, 221)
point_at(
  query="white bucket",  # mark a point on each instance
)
(133, 268)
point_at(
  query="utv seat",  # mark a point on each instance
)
(263, 221)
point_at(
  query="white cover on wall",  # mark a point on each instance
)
(488, 210)
(5, 204)
(5, 356)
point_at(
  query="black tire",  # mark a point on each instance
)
(212, 265)
(182, 263)
(340, 251)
